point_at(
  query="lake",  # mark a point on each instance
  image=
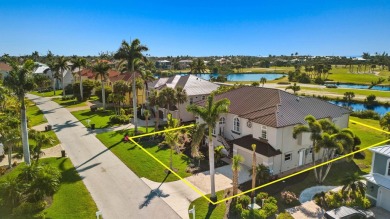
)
(243, 76)
(382, 110)
(362, 86)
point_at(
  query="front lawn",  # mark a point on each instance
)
(100, 118)
(34, 114)
(72, 200)
(204, 209)
(69, 103)
(47, 94)
(50, 134)
(140, 162)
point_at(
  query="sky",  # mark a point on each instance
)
(196, 28)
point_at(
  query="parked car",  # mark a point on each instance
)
(348, 213)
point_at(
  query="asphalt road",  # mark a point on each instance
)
(116, 190)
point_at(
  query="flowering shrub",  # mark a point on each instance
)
(289, 197)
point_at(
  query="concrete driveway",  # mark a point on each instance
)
(116, 190)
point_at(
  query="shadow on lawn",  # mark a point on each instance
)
(154, 193)
(68, 175)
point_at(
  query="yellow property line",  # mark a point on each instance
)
(259, 187)
(362, 124)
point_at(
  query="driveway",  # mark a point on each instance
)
(116, 190)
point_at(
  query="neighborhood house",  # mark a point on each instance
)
(266, 117)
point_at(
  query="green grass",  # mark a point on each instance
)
(52, 135)
(69, 103)
(140, 162)
(34, 114)
(341, 91)
(72, 200)
(342, 74)
(100, 118)
(47, 94)
(368, 137)
(203, 209)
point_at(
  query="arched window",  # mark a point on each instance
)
(236, 124)
(222, 121)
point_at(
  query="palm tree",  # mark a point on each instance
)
(9, 135)
(79, 63)
(132, 52)
(294, 88)
(253, 170)
(154, 102)
(167, 98)
(236, 167)
(210, 115)
(55, 74)
(353, 183)
(197, 137)
(147, 115)
(101, 70)
(12, 191)
(263, 80)
(181, 97)
(172, 137)
(20, 81)
(62, 66)
(198, 66)
(41, 139)
(262, 173)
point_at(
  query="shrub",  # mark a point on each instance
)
(366, 114)
(107, 91)
(269, 209)
(289, 197)
(2, 170)
(119, 119)
(319, 80)
(283, 82)
(69, 89)
(284, 215)
(237, 208)
(304, 78)
(68, 97)
(256, 84)
(244, 201)
(29, 208)
(371, 99)
(88, 86)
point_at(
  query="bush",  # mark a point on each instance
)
(68, 97)
(244, 201)
(29, 208)
(283, 82)
(2, 170)
(371, 99)
(284, 215)
(69, 89)
(88, 86)
(366, 114)
(289, 197)
(304, 78)
(107, 92)
(318, 80)
(331, 86)
(119, 119)
(256, 84)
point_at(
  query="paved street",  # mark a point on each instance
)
(117, 191)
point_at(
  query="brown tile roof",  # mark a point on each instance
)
(127, 77)
(91, 75)
(276, 108)
(5, 67)
(262, 146)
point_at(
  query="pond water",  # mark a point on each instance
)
(308, 194)
(243, 76)
(382, 110)
(363, 86)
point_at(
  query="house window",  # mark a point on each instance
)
(191, 100)
(236, 124)
(388, 167)
(288, 156)
(264, 132)
(222, 120)
(203, 97)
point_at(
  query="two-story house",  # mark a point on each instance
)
(378, 181)
(197, 89)
(266, 117)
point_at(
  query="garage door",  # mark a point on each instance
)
(246, 155)
(384, 198)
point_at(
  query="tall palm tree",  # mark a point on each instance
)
(181, 97)
(132, 52)
(147, 115)
(56, 76)
(198, 133)
(253, 170)
(210, 115)
(167, 98)
(101, 70)
(171, 138)
(236, 167)
(78, 63)
(20, 81)
(154, 102)
(262, 173)
(62, 66)
(353, 183)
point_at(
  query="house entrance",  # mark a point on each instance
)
(301, 157)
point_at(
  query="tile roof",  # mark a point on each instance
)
(276, 108)
(5, 67)
(262, 146)
(192, 84)
(91, 75)
(385, 150)
(127, 77)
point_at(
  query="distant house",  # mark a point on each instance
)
(4, 69)
(378, 181)
(128, 78)
(266, 117)
(197, 89)
(163, 64)
(183, 64)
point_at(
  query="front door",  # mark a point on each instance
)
(301, 157)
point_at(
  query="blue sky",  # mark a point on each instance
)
(196, 28)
